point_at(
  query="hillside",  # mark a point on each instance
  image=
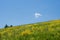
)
(49, 30)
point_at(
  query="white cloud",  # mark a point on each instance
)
(37, 15)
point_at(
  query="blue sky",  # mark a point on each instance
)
(17, 12)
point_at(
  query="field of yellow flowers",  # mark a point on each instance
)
(37, 31)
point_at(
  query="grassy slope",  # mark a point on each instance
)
(39, 31)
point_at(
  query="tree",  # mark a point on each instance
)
(11, 25)
(6, 26)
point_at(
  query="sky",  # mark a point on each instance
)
(19, 12)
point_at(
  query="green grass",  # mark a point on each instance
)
(49, 30)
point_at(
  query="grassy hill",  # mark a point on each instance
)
(49, 30)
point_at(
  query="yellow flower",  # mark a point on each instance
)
(26, 32)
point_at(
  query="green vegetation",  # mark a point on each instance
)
(39, 31)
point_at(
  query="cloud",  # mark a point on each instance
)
(37, 15)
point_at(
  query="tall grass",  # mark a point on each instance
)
(38, 31)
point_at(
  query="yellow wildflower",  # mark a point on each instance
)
(26, 32)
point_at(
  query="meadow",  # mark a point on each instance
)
(49, 30)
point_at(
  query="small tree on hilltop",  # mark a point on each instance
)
(11, 25)
(6, 26)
